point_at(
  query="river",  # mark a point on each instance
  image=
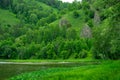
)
(10, 69)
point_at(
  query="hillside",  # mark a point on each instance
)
(59, 41)
(8, 18)
(43, 29)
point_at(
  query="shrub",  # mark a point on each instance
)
(83, 54)
(76, 14)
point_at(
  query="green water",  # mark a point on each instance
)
(8, 70)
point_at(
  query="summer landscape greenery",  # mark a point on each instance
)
(51, 30)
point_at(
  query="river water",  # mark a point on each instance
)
(10, 69)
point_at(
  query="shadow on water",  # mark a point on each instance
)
(8, 70)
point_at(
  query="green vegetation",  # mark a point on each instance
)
(7, 18)
(43, 29)
(106, 71)
(49, 60)
(107, 37)
(50, 30)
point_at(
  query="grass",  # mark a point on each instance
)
(77, 23)
(108, 70)
(47, 60)
(7, 17)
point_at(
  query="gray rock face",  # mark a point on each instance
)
(96, 19)
(86, 32)
(64, 23)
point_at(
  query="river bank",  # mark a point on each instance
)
(10, 68)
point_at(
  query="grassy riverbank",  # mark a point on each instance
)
(108, 70)
(47, 60)
(11, 68)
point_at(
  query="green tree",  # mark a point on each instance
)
(33, 18)
(52, 18)
(42, 22)
(71, 33)
(76, 14)
(7, 50)
(107, 37)
(5, 3)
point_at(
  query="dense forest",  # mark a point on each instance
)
(51, 29)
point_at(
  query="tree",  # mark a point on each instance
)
(42, 22)
(76, 14)
(82, 54)
(71, 33)
(5, 3)
(51, 52)
(107, 38)
(33, 18)
(7, 50)
(52, 18)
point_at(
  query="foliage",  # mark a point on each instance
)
(108, 47)
(50, 29)
(5, 3)
(76, 14)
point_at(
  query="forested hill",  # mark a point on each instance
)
(51, 29)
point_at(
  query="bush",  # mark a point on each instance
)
(83, 54)
(64, 54)
(76, 14)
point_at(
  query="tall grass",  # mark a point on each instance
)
(109, 70)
